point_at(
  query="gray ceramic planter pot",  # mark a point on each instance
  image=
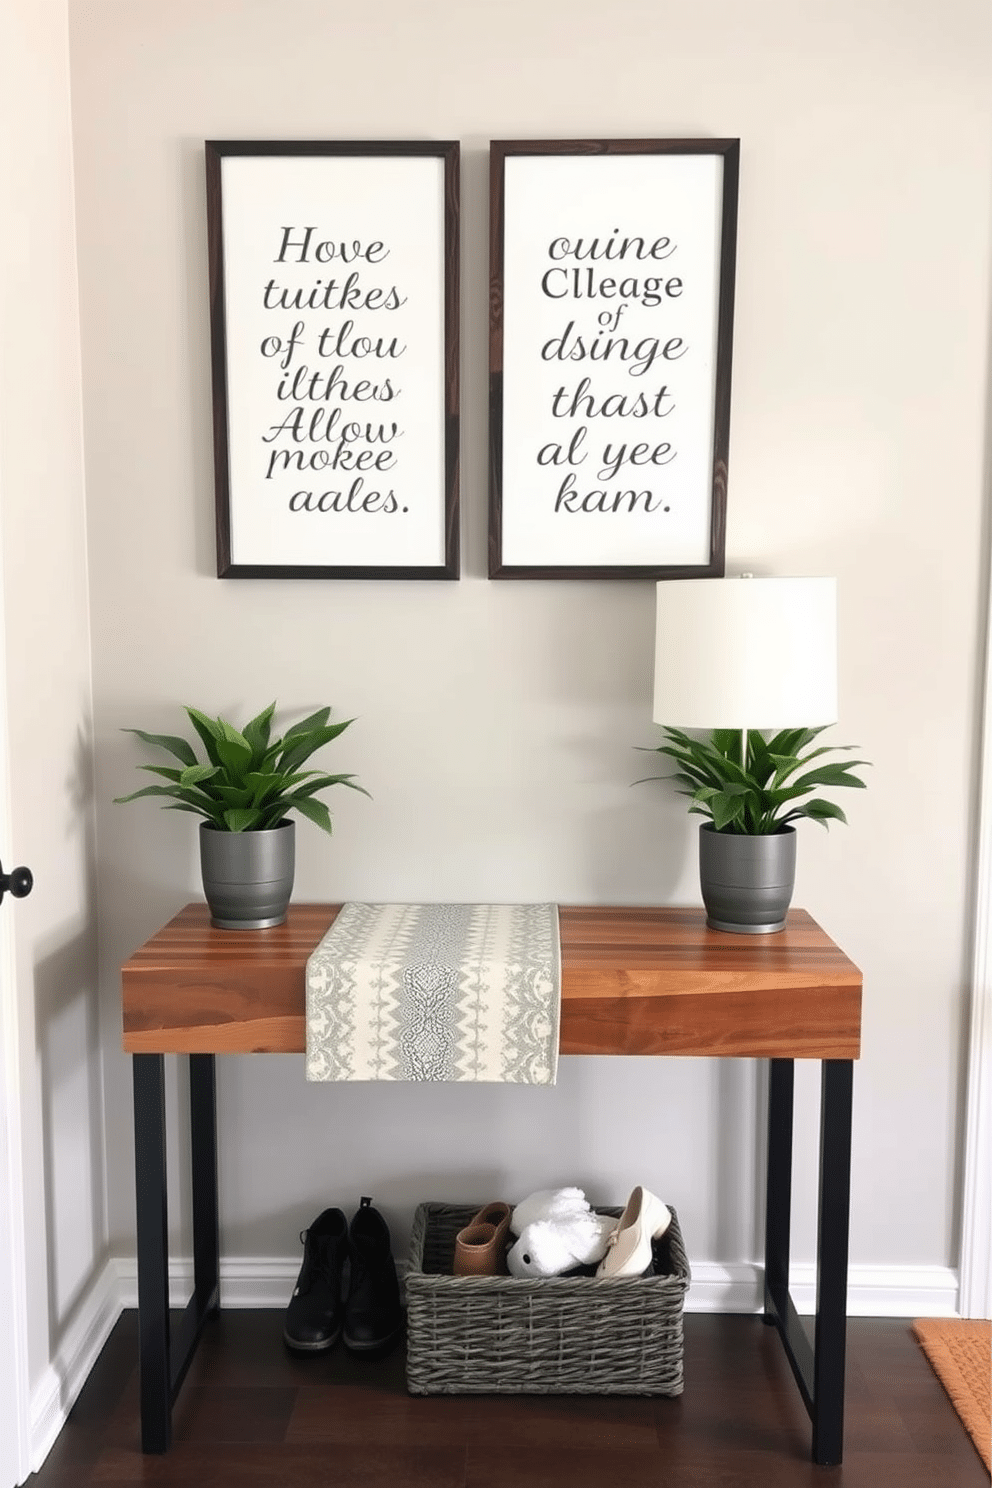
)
(747, 882)
(248, 876)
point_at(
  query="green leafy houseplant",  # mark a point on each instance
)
(249, 782)
(752, 786)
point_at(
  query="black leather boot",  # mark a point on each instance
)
(373, 1317)
(315, 1312)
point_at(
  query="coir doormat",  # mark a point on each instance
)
(959, 1353)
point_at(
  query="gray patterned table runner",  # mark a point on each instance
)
(436, 992)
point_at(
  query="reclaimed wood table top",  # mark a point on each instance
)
(635, 980)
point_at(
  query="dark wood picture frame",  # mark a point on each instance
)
(334, 315)
(573, 228)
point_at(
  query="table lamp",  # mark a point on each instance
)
(751, 655)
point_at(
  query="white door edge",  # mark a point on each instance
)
(15, 1392)
(975, 1299)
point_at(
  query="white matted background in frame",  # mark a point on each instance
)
(613, 282)
(333, 268)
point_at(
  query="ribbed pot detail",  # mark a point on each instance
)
(747, 882)
(248, 876)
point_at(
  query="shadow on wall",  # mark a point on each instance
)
(403, 1144)
(67, 1026)
(739, 1162)
(636, 844)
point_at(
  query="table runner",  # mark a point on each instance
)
(432, 992)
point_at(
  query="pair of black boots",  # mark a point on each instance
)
(369, 1313)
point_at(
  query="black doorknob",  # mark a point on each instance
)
(20, 882)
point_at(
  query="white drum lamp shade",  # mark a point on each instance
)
(746, 653)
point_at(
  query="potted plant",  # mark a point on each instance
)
(752, 789)
(245, 789)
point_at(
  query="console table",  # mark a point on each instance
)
(634, 981)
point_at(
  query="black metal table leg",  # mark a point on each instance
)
(818, 1367)
(148, 1073)
(778, 1196)
(203, 1140)
(832, 1249)
(779, 1306)
(166, 1350)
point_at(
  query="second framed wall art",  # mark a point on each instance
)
(334, 326)
(612, 293)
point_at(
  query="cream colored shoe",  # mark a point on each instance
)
(644, 1219)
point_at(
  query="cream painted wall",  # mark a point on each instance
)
(49, 742)
(497, 721)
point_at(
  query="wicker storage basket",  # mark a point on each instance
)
(557, 1335)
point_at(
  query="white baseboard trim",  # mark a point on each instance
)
(872, 1291)
(245, 1281)
(78, 1349)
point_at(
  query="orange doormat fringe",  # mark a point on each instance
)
(960, 1353)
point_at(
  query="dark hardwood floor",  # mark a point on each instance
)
(252, 1415)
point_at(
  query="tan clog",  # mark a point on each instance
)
(480, 1248)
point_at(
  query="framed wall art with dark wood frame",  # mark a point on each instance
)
(334, 328)
(612, 303)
